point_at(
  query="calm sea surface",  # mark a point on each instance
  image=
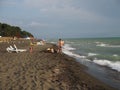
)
(100, 55)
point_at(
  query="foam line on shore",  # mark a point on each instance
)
(113, 65)
(67, 49)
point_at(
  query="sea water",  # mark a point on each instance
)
(100, 55)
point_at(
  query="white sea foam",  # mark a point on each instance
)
(68, 47)
(92, 54)
(53, 42)
(67, 50)
(114, 46)
(107, 45)
(115, 55)
(97, 42)
(69, 42)
(102, 45)
(111, 64)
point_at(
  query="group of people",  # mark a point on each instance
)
(60, 44)
(42, 42)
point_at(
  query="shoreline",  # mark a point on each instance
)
(44, 71)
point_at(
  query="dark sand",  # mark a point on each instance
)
(43, 71)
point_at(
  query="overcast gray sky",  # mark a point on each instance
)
(63, 18)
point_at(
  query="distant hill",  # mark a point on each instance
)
(13, 31)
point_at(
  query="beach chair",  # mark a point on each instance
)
(11, 49)
(19, 50)
(8, 49)
(14, 49)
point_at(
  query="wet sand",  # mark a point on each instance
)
(41, 70)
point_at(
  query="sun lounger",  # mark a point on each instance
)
(19, 50)
(10, 49)
(15, 49)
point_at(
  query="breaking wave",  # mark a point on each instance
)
(92, 54)
(111, 64)
(67, 49)
(106, 45)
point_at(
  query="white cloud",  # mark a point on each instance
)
(37, 24)
(39, 3)
(64, 9)
(73, 13)
(60, 15)
(46, 25)
(8, 2)
(46, 3)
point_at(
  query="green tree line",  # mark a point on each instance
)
(13, 31)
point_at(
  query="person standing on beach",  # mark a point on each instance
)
(60, 45)
(31, 47)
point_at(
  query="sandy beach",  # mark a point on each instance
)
(41, 70)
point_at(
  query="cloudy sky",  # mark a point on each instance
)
(63, 18)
